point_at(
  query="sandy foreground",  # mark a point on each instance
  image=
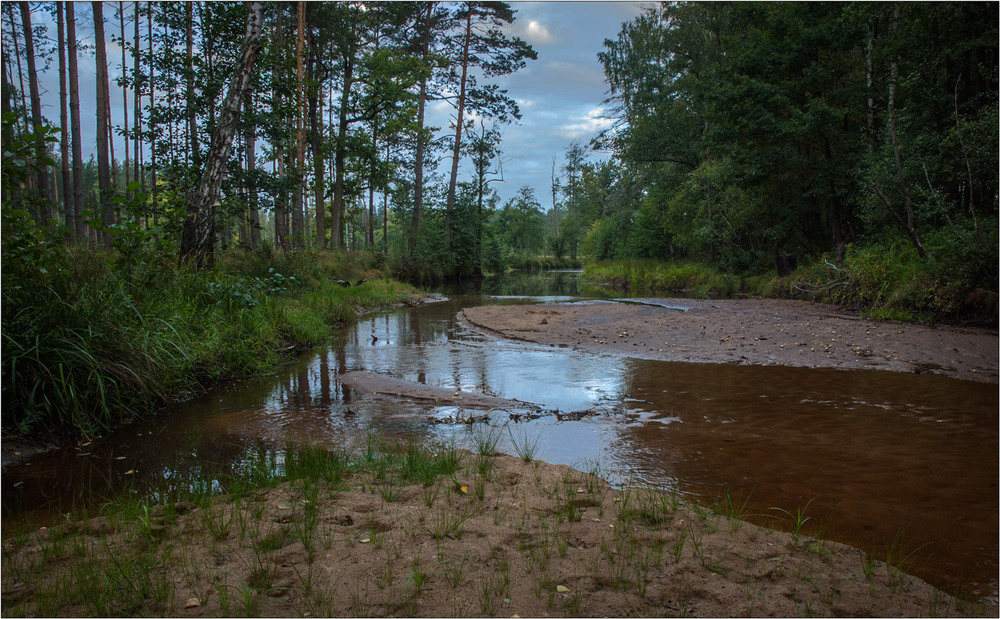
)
(747, 331)
(501, 537)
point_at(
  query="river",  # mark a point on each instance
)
(874, 458)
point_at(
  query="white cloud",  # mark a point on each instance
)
(536, 33)
(587, 125)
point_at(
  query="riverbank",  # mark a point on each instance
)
(882, 281)
(747, 331)
(391, 530)
(97, 341)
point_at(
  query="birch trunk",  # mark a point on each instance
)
(202, 202)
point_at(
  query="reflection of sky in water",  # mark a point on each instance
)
(438, 351)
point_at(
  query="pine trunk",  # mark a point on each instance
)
(67, 188)
(137, 99)
(79, 222)
(20, 70)
(418, 164)
(298, 216)
(103, 169)
(250, 140)
(121, 26)
(42, 178)
(457, 148)
(340, 158)
(319, 182)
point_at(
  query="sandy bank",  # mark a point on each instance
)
(747, 331)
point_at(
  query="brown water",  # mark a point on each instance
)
(871, 456)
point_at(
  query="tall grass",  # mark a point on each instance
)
(91, 344)
(882, 280)
(643, 276)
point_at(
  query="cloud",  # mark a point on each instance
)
(535, 32)
(586, 126)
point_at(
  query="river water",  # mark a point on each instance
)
(872, 457)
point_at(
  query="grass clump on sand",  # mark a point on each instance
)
(385, 530)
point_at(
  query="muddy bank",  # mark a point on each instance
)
(747, 331)
(499, 537)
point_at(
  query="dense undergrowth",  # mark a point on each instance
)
(92, 339)
(881, 280)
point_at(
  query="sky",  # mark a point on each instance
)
(560, 94)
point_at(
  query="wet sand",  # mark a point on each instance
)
(747, 331)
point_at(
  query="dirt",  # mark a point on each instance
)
(502, 537)
(747, 331)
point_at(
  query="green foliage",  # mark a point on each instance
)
(95, 343)
(658, 277)
(824, 131)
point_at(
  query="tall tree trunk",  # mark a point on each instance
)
(298, 218)
(315, 120)
(137, 98)
(20, 70)
(192, 111)
(203, 200)
(74, 113)
(103, 171)
(121, 26)
(251, 161)
(281, 204)
(189, 235)
(152, 131)
(385, 212)
(42, 178)
(418, 164)
(457, 148)
(68, 206)
(340, 158)
(5, 93)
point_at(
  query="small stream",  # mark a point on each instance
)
(872, 456)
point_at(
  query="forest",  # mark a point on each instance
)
(843, 152)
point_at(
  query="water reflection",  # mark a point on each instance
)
(870, 453)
